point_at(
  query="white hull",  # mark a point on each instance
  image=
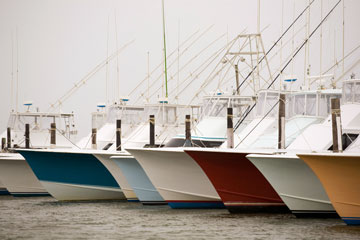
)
(117, 174)
(71, 192)
(176, 176)
(295, 183)
(17, 176)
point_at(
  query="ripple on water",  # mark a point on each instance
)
(44, 218)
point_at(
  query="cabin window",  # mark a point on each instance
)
(348, 90)
(310, 105)
(347, 139)
(357, 92)
(299, 105)
(107, 146)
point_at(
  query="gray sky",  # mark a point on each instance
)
(59, 42)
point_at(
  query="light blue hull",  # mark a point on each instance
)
(139, 181)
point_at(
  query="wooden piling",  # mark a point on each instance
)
(152, 130)
(336, 125)
(281, 122)
(52, 135)
(237, 79)
(187, 131)
(27, 135)
(118, 135)
(3, 143)
(230, 128)
(93, 138)
(8, 138)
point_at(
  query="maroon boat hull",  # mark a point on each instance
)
(238, 182)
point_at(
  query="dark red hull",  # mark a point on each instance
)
(238, 182)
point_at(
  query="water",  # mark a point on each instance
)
(45, 218)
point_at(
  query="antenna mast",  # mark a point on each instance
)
(165, 70)
(117, 62)
(343, 33)
(17, 70)
(107, 63)
(258, 18)
(148, 76)
(12, 70)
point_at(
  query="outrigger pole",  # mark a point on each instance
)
(165, 71)
(290, 60)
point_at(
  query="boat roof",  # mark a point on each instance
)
(42, 114)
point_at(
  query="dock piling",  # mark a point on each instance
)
(336, 125)
(93, 138)
(27, 135)
(230, 128)
(187, 131)
(52, 135)
(152, 130)
(281, 122)
(8, 138)
(118, 135)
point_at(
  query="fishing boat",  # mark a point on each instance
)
(79, 175)
(15, 172)
(241, 186)
(339, 175)
(293, 180)
(338, 171)
(174, 173)
(167, 122)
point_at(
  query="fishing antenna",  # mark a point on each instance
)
(282, 35)
(292, 58)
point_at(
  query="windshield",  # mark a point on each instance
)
(127, 114)
(265, 104)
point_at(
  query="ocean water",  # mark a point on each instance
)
(46, 218)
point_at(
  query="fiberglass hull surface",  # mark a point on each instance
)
(73, 176)
(138, 180)
(177, 177)
(118, 175)
(296, 184)
(240, 185)
(340, 176)
(18, 178)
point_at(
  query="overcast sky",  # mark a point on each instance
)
(59, 42)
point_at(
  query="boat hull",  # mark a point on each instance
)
(138, 180)
(118, 175)
(340, 177)
(238, 182)
(73, 176)
(18, 178)
(296, 184)
(177, 178)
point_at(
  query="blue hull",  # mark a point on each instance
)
(351, 220)
(196, 205)
(30, 194)
(4, 191)
(139, 181)
(69, 168)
